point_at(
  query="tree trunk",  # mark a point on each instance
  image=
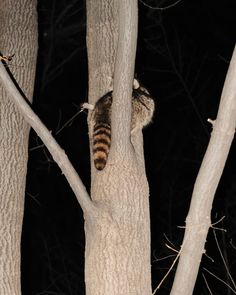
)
(117, 258)
(18, 35)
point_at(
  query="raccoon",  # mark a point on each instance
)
(142, 112)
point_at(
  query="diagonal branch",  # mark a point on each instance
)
(198, 220)
(56, 151)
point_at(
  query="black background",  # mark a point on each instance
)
(182, 58)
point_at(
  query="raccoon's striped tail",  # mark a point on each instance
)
(101, 144)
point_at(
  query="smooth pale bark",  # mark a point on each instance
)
(18, 35)
(198, 220)
(102, 26)
(117, 258)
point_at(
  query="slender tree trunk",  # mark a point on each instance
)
(198, 220)
(18, 35)
(117, 258)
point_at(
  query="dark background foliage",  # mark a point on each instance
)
(182, 58)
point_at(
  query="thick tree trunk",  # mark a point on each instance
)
(117, 258)
(18, 35)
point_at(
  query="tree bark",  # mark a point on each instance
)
(198, 220)
(117, 258)
(18, 35)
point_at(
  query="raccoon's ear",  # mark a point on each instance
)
(136, 84)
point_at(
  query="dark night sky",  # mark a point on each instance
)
(182, 58)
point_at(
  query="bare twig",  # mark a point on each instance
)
(219, 279)
(160, 8)
(208, 287)
(168, 272)
(223, 259)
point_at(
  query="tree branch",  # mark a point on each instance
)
(124, 71)
(198, 220)
(56, 151)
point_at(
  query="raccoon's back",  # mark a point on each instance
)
(101, 144)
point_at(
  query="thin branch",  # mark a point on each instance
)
(69, 121)
(182, 80)
(164, 258)
(208, 287)
(160, 8)
(219, 279)
(168, 272)
(56, 151)
(223, 259)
